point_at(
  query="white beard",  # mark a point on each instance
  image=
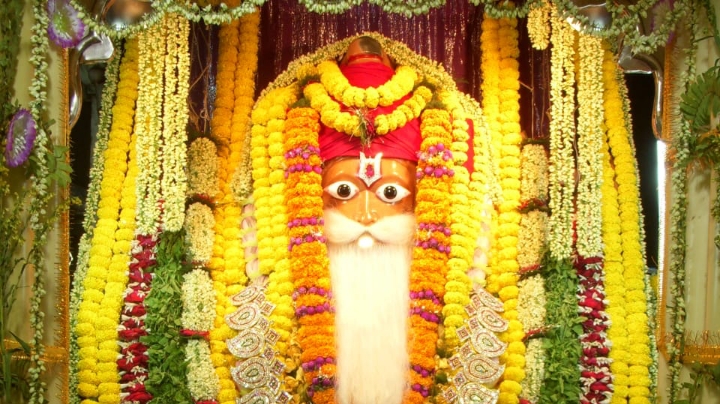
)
(371, 295)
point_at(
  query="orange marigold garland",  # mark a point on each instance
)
(308, 260)
(432, 247)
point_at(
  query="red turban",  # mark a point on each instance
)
(402, 143)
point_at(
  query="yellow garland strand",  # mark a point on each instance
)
(98, 315)
(351, 123)
(629, 331)
(220, 131)
(490, 67)
(339, 88)
(175, 117)
(148, 128)
(228, 272)
(269, 115)
(465, 227)
(562, 133)
(500, 53)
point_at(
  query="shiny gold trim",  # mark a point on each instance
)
(62, 332)
(701, 346)
(53, 354)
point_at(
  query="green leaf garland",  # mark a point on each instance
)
(562, 343)
(166, 348)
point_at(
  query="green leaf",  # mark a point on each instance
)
(25, 346)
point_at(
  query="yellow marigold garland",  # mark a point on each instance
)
(98, 316)
(634, 362)
(175, 117)
(148, 126)
(221, 132)
(402, 82)
(269, 114)
(465, 226)
(228, 270)
(500, 53)
(353, 122)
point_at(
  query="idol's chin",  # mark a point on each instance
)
(365, 241)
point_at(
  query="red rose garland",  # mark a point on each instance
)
(133, 360)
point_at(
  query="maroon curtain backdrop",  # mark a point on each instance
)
(449, 35)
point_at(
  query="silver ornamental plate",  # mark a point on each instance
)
(489, 319)
(246, 296)
(488, 344)
(251, 374)
(259, 396)
(242, 318)
(480, 369)
(247, 344)
(473, 393)
(483, 298)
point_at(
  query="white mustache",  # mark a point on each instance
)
(396, 229)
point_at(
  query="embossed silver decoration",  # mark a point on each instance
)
(483, 370)
(483, 298)
(478, 394)
(266, 308)
(251, 374)
(491, 320)
(247, 344)
(244, 317)
(259, 396)
(246, 296)
(450, 395)
(463, 333)
(488, 344)
(284, 398)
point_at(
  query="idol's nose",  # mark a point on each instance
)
(366, 213)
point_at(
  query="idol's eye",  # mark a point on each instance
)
(391, 193)
(342, 190)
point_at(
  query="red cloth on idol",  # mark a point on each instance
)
(402, 143)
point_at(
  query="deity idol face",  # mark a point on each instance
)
(348, 190)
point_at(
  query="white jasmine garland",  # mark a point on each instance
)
(534, 370)
(175, 117)
(203, 383)
(199, 232)
(562, 133)
(538, 25)
(148, 128)
(590, 139)
(534, 173)
(531, 302)
(198, 302)
(532, 239)
(202, 168)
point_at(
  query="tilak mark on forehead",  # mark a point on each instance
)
(369, 168)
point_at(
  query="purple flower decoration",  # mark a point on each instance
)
(20, 138)
(66, 28)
